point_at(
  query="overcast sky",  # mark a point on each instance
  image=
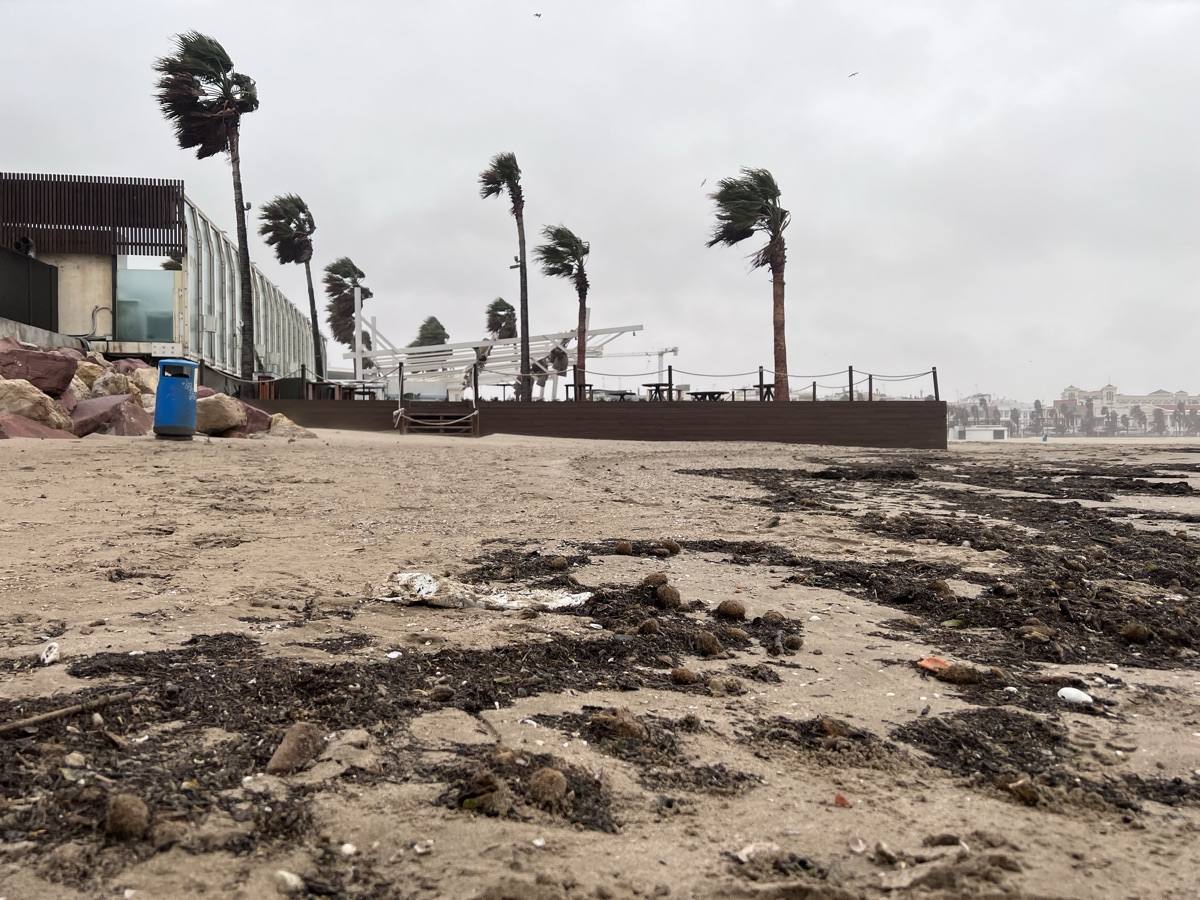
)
(1007, 190)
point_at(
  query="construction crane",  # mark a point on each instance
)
(659, 353)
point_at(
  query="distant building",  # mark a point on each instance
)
(1109, 398)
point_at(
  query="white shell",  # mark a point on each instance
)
(1074, 696)
(49, 655)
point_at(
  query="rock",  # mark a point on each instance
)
(70, 353)
(684, 675)
(654, 580)
(733, 633)
(731, 609)
(12, 426)
(1038, 632)
(793, 642)
(282, 426)
(119, 414)
(289, 882)
(557, 563)
(167, 834)
(774, 617)
(21, 398)
(706, 644)
(300, 745)
(75, 760)
(145, 379)
(87, 372)
(941, 587)
(667, 597)
(95, 356)
(68, 400)
(1074, 696)
(50, 373)
(442, 693)
(110, 384)
(649, 626)
(1003, 589)
(204, 391)
(661, 552)
(131, 365)
(219, 413)
(670, 546)
(548, 786)
(127, 817)
(257, 421)
(1136, 633)
(623, 548)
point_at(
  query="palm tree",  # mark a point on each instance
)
(1125, 423)
(1160, 420)
(432, 333)
(503, 175)
(288, 226)
(563, 256)
(342, 276)
(202, 96)
(501, 320)
(749, 204)
(1139, 417)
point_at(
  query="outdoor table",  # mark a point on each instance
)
(622, 395)
(587, 389)
(659, 390)
(706, 396)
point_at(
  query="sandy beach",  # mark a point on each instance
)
(232, 588)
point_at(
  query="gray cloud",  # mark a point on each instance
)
(1008, 191)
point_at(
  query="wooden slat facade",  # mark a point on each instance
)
(92, 214)
(912, 425)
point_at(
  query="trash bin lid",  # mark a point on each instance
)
(177, 362)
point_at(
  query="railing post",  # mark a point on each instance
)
(851, 370)
(936, 393)
(670, 382)
(761, 386)
(402, 383)
(814, 392)
(475, 384)
(870, 387)
(575, 382)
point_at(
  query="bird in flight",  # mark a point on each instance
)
(704, 182)
(852, 74)
(537, 15)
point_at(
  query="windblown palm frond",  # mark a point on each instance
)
(288, 226)
(749, 204)
(201, 95)
(563, 254)
(501, 319)
(502, 174)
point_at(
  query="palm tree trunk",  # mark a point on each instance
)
(318, 362)
(782, 391)
(581, 288)
(244, 287)
(526, 381)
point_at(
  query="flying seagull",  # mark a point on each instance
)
(704, 182)
(852, 74)
(537, 15)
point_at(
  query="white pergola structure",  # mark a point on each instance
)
(499, 361)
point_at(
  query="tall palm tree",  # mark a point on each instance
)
(202, 96)
(749, 204)
(342, 276)
(503, 175)
(288, 226)
(563, 256)
(431, 334)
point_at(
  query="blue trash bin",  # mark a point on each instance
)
(175, 402)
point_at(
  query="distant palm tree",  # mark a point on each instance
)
(503, 175)
(1125, 423)
(1139, 417)
(1160, 421)
(202, 96)
(431, 334)
(501, 320)
(746, 205)
(564, 256)
(288, 226)
(342, 276)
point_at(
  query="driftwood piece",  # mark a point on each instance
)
(53, 715)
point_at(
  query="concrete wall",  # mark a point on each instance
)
(84, 282)
(30, 335)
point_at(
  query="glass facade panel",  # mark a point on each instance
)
(145, 305)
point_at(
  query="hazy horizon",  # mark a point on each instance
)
(1005, 191)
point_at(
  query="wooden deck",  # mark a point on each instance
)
(907, 424)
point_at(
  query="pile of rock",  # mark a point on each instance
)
(63, 393)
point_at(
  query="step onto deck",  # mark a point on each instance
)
(439, 423)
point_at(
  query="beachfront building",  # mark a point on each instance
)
(142, 271)
(1109, 397)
